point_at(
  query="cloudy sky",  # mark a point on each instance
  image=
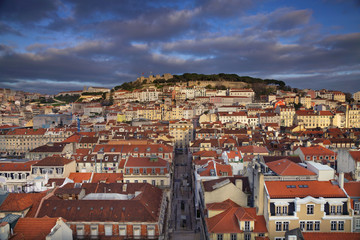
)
(55, 45)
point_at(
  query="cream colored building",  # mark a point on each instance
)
(182, 131)
(312, 206)
(356, 96)
(311, 119)
(287, 115)
(353, 116)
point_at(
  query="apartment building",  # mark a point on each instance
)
(182, 131)
(287, 115)
(129, 210)
(312, 206)
(153, 170)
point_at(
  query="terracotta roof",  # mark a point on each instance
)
(23, 131)
(352, 189)
(107, 177)
(55, 147)
(53, 161)
(316, 150)
(228, 221)
(57, 181)
(145, 162)
(34, 228)
(286, 189)
(145, 207)
(73, 138)
(221, 205)
(78, 177)
(285, 167)
(220, 168)
(295, 159)
(16, 166)
(16, 202)
(330, 236)
(355, 155)
(252, 149)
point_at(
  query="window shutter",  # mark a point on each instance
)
(327, 208)
(345, 209)
(272, 209)
(291, 208)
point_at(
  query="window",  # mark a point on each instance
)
(317, 226)
(136, 230)
(136, 171)
(80, 230)
(357, 223)
(144, 181)
(94, 230)
(357, 206)
(247, 225)
(233, 236)
(309, 226)
(247, 236)
(286, 226)
(332, 209)
(153, 182)
(278, 210)
(144, 171)
(284, 209)
(220, 237)
(278, 226)
(122, 230)
(302, 225)
(150, 230)
(310, 209)
(341, 225)
(153, 171)
(333, 225)
(127, 170)
(108, 230)
(338, 209)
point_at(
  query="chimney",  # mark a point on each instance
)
(341, 180)
(239, 184)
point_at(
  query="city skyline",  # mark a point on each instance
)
(53, 46)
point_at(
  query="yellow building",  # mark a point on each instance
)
(312, 206)
(287, 115)
(353, 116)
(182, 131)
(312, 119)
(229, 221)
(121, 117)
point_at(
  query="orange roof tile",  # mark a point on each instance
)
(78, 177)
(285, 189)
(17, 202)
(285, 167)
(355, 155)
(222, 205)
(316, 150)
(352, 189)
(107, 177)
(34, 228)
(16, 166)
(227, 221)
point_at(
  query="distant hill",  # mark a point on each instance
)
(260, 86)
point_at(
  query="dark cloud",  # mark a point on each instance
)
(6, 29)
(27, 11)
(224, 8)
(117, 41)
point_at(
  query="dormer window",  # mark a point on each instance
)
(148, 149)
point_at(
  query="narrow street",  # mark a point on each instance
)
(183, 223)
